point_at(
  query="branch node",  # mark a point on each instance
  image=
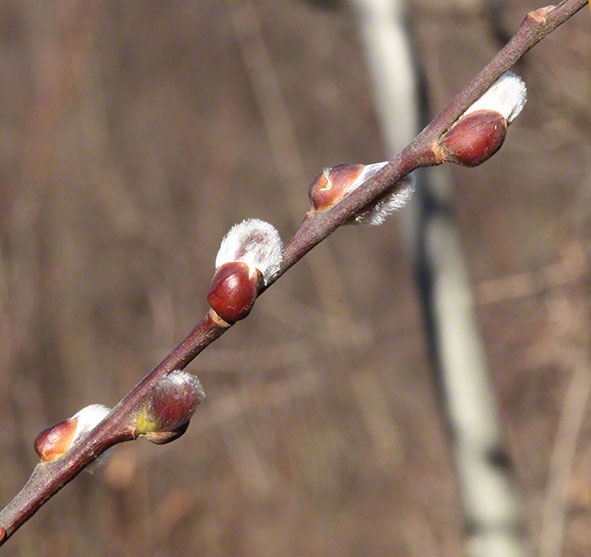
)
(218, 320)
(539, 15)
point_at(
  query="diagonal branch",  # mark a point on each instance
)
(49, 477)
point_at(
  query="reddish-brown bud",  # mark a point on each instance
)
(175, 399)
(332, 184)
(475, 138)
(172, 403)
(233, 291)
(335, 183)
(54, 441)
(2, 535)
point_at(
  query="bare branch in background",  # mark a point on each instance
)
(133, 416)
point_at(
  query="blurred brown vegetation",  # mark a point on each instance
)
(133, 134)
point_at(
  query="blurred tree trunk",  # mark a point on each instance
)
(491, 503)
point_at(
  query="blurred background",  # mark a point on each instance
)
(134, 134)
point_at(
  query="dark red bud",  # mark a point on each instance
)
(174, 400)
(233, 291)
(172, 403)
(54, 441)
(2, 535)
(330, 186)
(475, 138)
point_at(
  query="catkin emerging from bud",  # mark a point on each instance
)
(333, 184)
(170, 407)
(56, 440)
(254, 242)
(481, 130)
(249, 256)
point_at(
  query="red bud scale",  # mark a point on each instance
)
(54, 441)
(475, 138)
(233, 291)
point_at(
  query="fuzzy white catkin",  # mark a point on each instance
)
(87, 418)
(379, 210)
(254, 242)
(391, 202)
(507, 95)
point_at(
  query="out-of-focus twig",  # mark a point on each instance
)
(283, 142)
(569, 427)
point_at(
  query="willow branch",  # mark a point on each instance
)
(49, 477)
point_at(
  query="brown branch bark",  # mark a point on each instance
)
(48, 478)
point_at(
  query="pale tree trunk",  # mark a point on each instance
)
(491, 506)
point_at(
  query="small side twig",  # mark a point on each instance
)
(49, 477)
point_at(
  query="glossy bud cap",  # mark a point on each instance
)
(475, 138)
(173, 402)
(56, 440)
(480, 131)
(233, 291)
(332, 184)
